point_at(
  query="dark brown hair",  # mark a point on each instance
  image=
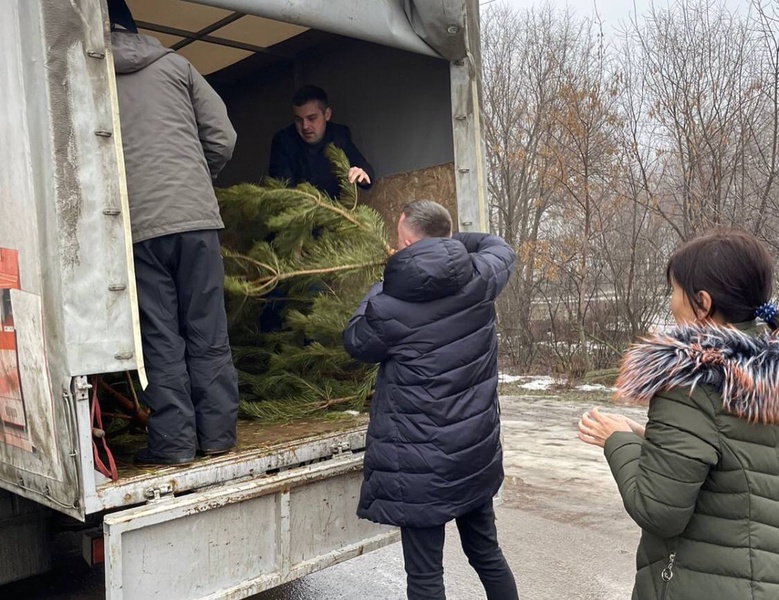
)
(428, 219)
(308, 93)
(732, 266)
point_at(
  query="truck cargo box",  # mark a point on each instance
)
(403, 75)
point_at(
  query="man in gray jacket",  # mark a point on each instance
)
(176, 137)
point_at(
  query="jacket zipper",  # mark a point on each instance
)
(667, 574)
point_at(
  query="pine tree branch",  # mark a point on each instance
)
(321, 253)
(329, 270)
(319, 203)
(334, 401)
(261, 286)
(340, 166)
(243, 258)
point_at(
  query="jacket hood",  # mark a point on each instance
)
(133, 52)
(742, 365)
(429, 269)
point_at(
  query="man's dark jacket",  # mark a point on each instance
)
(433, 447)
(295, 160)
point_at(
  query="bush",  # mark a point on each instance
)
(602, 376)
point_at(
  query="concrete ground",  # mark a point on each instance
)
(561, 525)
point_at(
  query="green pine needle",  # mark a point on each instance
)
(311, 258)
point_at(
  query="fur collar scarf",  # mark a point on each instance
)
(744, 367)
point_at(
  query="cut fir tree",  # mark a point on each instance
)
(297, 264)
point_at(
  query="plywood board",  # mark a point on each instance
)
(392, 193)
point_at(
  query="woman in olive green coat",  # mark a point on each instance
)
(702, 480)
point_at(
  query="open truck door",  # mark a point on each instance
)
(67, 290)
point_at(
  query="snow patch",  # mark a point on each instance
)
(544, 382)
(538, 383)
(593, 387)
(530, 382)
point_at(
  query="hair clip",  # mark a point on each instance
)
(766, 311)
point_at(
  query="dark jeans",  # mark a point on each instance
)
(423, 554)
(193, 385)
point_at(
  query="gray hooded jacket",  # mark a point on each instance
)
(176, 137)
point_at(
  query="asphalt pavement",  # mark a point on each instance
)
(561, 523)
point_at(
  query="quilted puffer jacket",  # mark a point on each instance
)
(433, 447)
(704, 483)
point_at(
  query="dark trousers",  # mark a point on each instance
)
(193, 385)
(423, 555)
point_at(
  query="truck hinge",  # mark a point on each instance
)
(340, 448)
(155, 494)
(81, 387)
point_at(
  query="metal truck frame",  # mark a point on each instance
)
(69, 311)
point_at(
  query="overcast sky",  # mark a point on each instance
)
(612, 12)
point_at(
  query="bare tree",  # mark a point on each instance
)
(697, 63)
(522, 59)
(604, 156)
(764, 131)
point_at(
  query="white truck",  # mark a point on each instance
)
(283, 505)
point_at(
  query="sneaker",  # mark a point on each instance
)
(145, 457)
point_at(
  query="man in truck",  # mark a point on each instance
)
(298, 154)
(176, 138)
(298, 151)
(433, 449)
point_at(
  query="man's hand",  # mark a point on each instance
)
(358, 175)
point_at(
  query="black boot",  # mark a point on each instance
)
(145, 457)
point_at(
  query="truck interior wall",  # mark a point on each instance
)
(391, 193)
(396, 103)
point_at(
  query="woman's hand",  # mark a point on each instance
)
(635, 427)
(595, 427)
